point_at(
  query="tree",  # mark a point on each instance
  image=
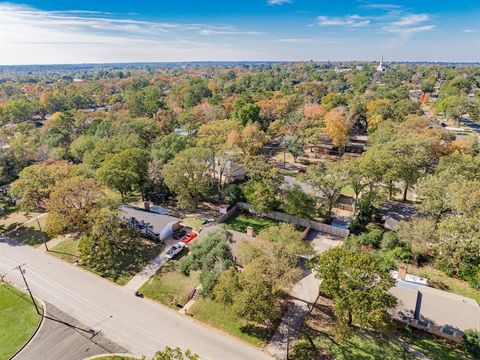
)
(16, 111)
(166, 147)
(270, 266)
(471, 342)
(420, 233)
(108, 246)
(69, 204)
(337, 129)
(296, 202)
(174, 354)
(358, 287)
(36, 182)
(125, 171)
(328, 179)
(245, 111)
(212, 256)
(187, 175)
(294, 147)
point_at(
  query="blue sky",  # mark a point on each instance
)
(68, 31)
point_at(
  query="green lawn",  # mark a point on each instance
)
(68, 250)
(440, 280)
(364, 346)
(240, 223)
(218, 316)
(29, 232)
(170, 287)
(437, 349)
(18, 320)
(194, 222)
(348, 191)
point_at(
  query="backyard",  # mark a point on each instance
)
(18, 320)
(241, 222)
(169, 287)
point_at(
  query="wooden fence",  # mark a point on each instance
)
(295, 220)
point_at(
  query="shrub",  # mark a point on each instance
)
(471, 342)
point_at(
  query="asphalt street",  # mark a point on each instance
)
(139, 325)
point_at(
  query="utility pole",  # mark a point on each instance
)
(19, 267)
(40, 227)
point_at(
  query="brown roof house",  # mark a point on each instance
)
(435, 311)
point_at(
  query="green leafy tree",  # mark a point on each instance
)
(174, 354)
(125, 171)
(187, 175)
(471, 342)
(108, 246)
(358, 286)
(328, 179)
(36, 182)
(296, 202)
(166, 147)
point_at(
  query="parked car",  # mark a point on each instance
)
(175, 250)
(179, 234)
(188, 237)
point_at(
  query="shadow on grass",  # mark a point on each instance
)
(29, 236)
(260, 332)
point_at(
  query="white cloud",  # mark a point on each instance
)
(349, 21)
(279, 2)
(29, 36)
(293, 40)
(410, 20)
(469, 31)
(409, 25)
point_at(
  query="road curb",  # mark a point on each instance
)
(209, 326)
(37, 330)
(133, 357)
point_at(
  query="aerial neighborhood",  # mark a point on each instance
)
(257, 209)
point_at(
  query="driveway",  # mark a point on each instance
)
(138, 325)
(305, 294)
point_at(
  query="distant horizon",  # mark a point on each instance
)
(386, 61)
(42, 32)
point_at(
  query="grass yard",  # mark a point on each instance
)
(348, 191)
(241, 222)
(440, 280)
(18, 320)
(30, 233)
(371, 346)
(194, 222)
(218, 316)
(436, 349)
(67, 250)
(170, 287)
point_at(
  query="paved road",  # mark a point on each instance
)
(62, 337)
(138, 325)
